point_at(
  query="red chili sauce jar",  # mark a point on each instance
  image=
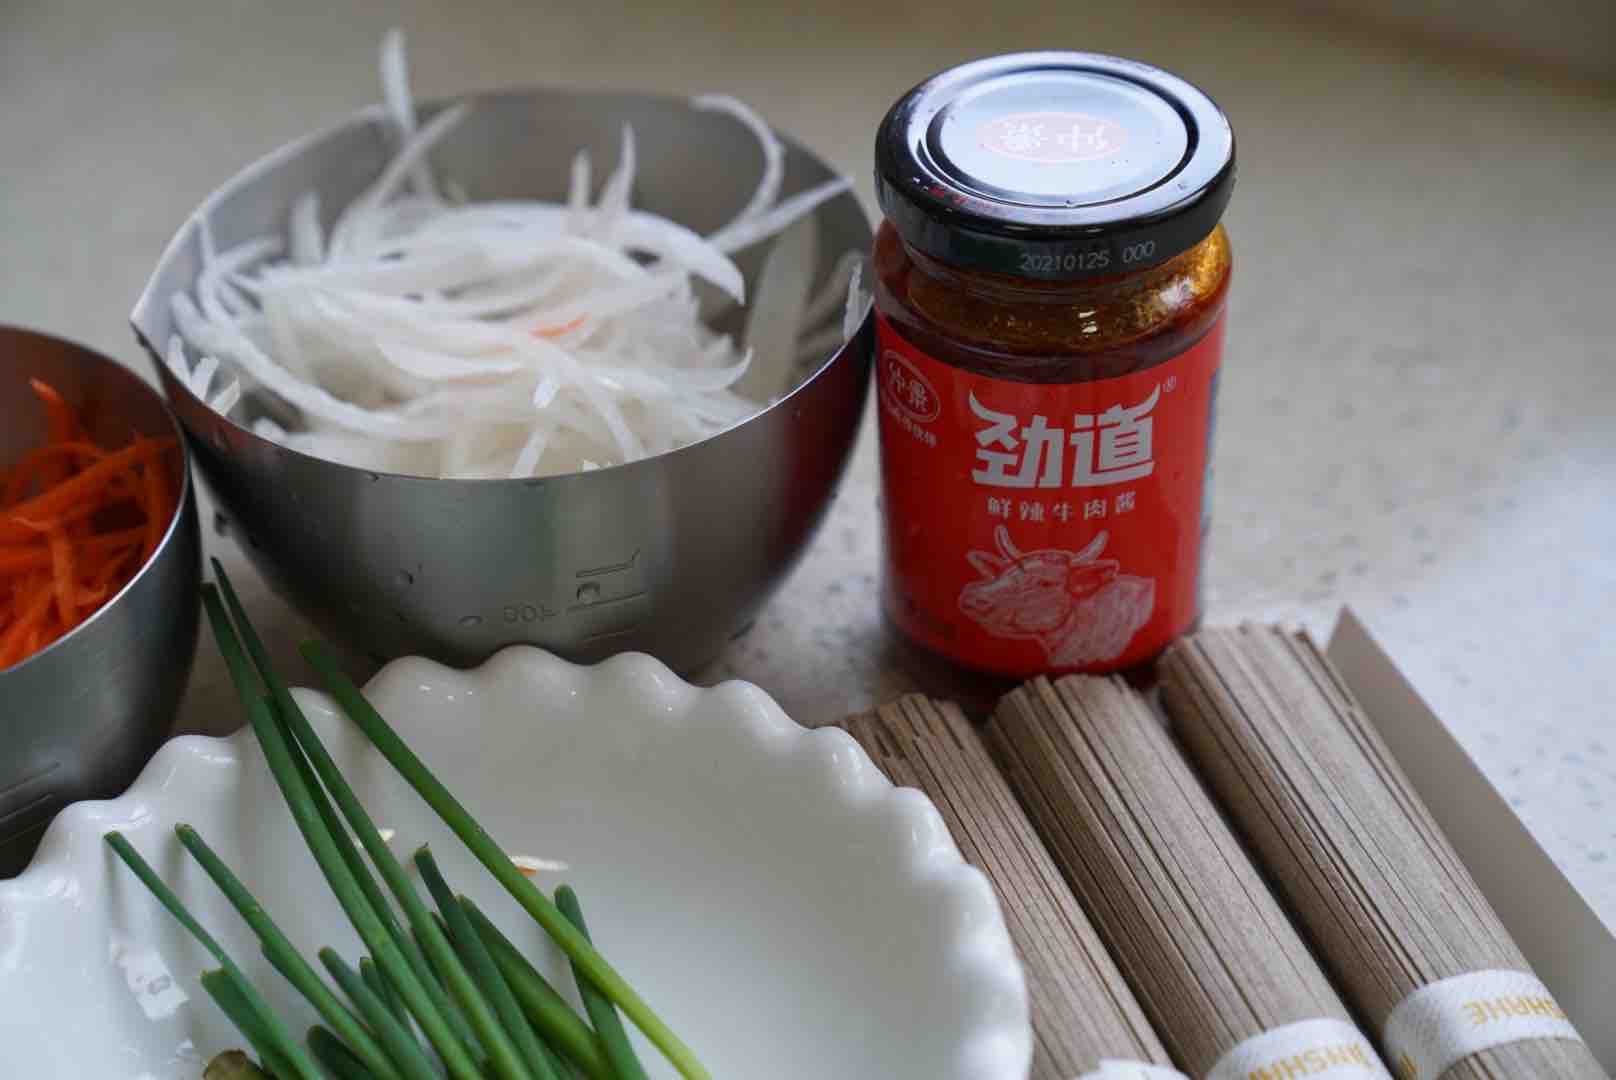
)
(1050, 286)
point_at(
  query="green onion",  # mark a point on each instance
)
(379, 986)
(278, 756)
(330, 1052)
(492, 856)
(501, 1051)
(269, 1027)
(607, 1023)
(287, 960)
(546, 1008)
(399, 1041)
(384, 911)
(234, 996)
(475, 954)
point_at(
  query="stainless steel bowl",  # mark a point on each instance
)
(673, 555)
(79, 719)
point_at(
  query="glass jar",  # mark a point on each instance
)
(1050, 287)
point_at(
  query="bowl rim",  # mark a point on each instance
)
(175, 523)
(376, 113)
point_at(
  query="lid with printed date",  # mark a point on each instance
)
(1054, 165)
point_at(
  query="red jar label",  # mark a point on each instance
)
(1035, 527)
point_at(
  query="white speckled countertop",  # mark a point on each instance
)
(1419, 403)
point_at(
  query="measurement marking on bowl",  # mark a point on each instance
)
(26, 814)
(471, 620)
(612, 568)
(585, 605)
(527, 613)
(37, 774)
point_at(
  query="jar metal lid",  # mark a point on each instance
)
(1054, 165)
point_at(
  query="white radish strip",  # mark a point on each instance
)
(527, 462)
(578, 190)
(857, 302)
(265, 428)
(303, 225)
(733, 238)
(175, 358)
(211, 288)
(444, 367)
(202, 375)
(821, 343)
(396, 96)
(683, 247)
(831, 297)
(606, 304)
(316, 402)
(545, 392)
(227, 398)
(774, 154)
(614, 197)
(393, 175)
(775, 322)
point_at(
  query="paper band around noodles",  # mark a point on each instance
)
(1323, 1047)
(1445, 1022)
(1113, 1069)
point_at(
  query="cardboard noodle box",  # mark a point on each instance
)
(1572, 949)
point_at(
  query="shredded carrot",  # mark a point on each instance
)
(77, 522)
(559, 330)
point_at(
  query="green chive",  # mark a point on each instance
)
(277, 1038)
(607, 1023)
(492, 856)
(475, 955)
(278, 755)
(546, 1008)
(399, 1042)
(330, 1052)
(501, 1051)
(379, 986)
(280, 952)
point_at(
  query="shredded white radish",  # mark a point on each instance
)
(430, 335)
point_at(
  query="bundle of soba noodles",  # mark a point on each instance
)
(1084, 1018)
(1208, 951)
(1404, 928)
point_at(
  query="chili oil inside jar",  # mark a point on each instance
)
(1050, 285)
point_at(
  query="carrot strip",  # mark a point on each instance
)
(115, 565)
(32, 467)
(29, 615)
(77, 490)
(63, 421)
(63, 427)
(64, 577)
(157, 513)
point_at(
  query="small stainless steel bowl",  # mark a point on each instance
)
(79, 718)
(672, 555)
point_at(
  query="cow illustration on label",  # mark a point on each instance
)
(1080, 608)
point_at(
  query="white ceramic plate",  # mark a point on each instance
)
(787, 910)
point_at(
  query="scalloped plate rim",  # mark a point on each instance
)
(999, 1050)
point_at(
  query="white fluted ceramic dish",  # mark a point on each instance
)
(787, 910)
